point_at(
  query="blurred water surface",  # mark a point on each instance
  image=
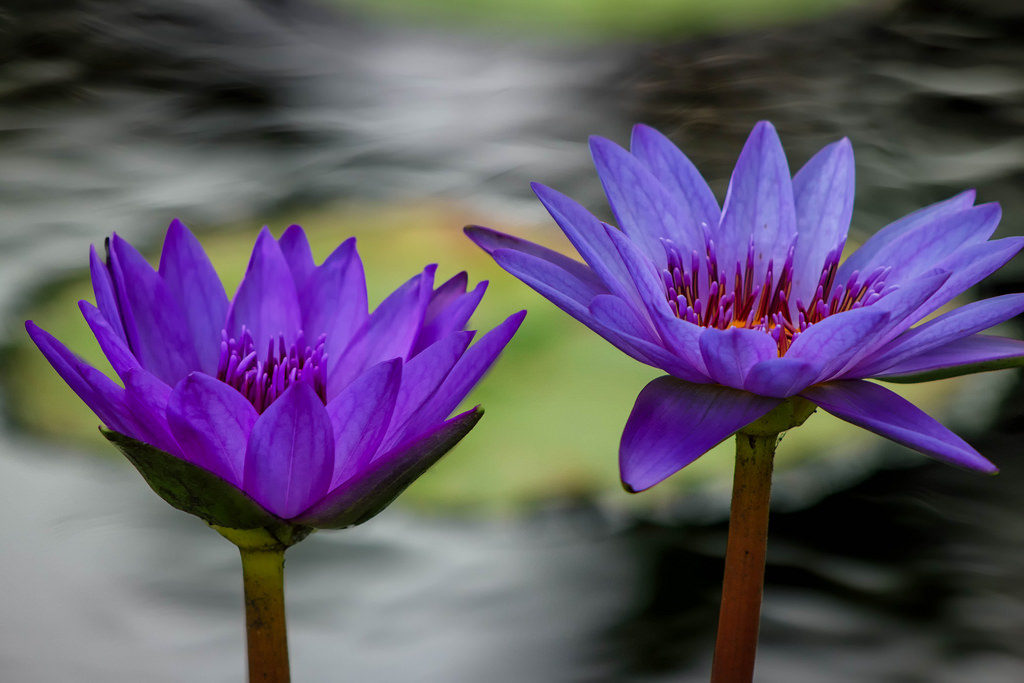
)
(118, 115)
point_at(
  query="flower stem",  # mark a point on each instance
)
(740, 612)
(263, 578)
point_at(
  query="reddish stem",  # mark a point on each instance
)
(740, 612)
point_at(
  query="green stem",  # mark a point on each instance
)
(740, 612)
(263, 578)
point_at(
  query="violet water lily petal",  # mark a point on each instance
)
(388, 333)
(643, 208)
(289, 460)
(902, 306)
(548, 278)
(980, 353)
(366, 494)
(449, 315)
(421, 377)
(781, 377)
(333, 299)
(295, 249)
(146, 398)
(834, 341)
(730, 354)
(267, 303)
(677, 174)
(360, 416)
(919, 250)
(96, 390)
(492, 240)
(103, 289)
(114, 347)
(674, 422)
(881, 411)
(969, 266)
(211, 423)
(620, 324)
(880, 241)
(823, 195)
(156, 328)
(587, 234)
(758, 205)
(961, 322)
(679, 336)
(468, 371)
(191, 279)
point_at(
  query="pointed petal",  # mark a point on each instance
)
(759, 204)
(677, 174)
(730, 354)
(211, 422)
(674, 422)
(969, 266)
(980, 353)
(928, 245)
(290, 456)
(468, 371)
(547, 278)
(114, 347)
(680, 337)
(365, 495)
(447, 316)
(957, 324)
(880, 241)
(881, 411)
(146, 397)
(96, 390)
(360, 415)
(587, 234)
(781, 377)
(103, 288)
(388, 333)
(620, 324)
(333, 300)
(823, 194)
(157, 329)
(296, 251)
(643, 208)
(902, 306)
(492, 240)
(193, 282)
(421, 377)
(833, 342)
(267, 303)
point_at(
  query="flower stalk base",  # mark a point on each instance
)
(739, 616)
(263, 581)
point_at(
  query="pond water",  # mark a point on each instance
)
(119, 115)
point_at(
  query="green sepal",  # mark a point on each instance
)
(200, 492)
(356, 502)
(954, 371)
(791, 413)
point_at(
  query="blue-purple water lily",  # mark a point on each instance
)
(292, 391)
(750, 304)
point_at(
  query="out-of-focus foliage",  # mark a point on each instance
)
(601, 18)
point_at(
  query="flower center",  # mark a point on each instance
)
(263, 380)
(699, 291)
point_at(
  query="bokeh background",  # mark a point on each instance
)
(518, 557)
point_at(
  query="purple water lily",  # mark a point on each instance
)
(749, 305)
(291, 392)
